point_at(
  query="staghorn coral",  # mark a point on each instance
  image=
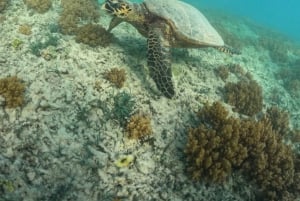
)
(12, 89)
(138, 127)
(221, 143)
(41, 6)
(93, 35)
(3, 4)
(116, 76)
(245, 96)
(76, 11)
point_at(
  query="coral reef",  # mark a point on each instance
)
(221, 143)
(290, 77)
(41, 6)
(222, 72)
(93, 35)
(279, 120)
(25, 29)
(12, 89)
(278, 50)
(214, 147)
(3, 4)
(270, 162)
(116, 76)
(76, 11)
(138, 127)
(38, 46)
(123, 107)
(245, 96)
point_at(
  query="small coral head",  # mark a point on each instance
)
(118, 8)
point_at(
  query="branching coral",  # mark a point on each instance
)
(245, 96)
(93, 35)
(214, 148)
(116, 76)
(12, 89)
(139, 127)
(76, 11)
(41, 6)
(279, 120)
(221, 143)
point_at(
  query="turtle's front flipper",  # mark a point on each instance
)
(159, 61)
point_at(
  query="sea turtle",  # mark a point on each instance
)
(166, 24)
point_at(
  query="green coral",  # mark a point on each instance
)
(123, 107)
(37, 46)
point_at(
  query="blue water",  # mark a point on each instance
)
(280, 15)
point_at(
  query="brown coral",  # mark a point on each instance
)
(25, 29)
(76, 11)
(116, 76)
(214, 148)
(12, 89)
(222, 72)
(245, 96)
(139, 127)
(93, 35)
(41, 6)
(279, 120)
(221, 143)
(3, 4)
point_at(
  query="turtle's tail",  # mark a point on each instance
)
(228, 50)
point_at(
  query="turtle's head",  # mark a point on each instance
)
(124, 10)
(118, 8)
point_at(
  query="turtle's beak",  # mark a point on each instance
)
(118, 8)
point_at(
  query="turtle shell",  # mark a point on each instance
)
(189, 24)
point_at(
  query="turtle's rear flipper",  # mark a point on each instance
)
(227, 49)
(159, 61)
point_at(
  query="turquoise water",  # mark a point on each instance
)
(281, 15)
